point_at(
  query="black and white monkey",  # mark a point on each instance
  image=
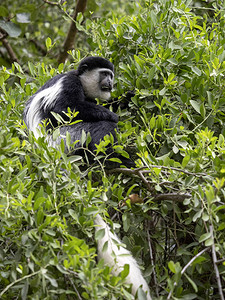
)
(77, 90)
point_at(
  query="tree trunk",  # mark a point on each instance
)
(69, 41)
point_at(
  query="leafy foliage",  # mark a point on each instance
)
(172, 54)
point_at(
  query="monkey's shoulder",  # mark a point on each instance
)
(72, 84)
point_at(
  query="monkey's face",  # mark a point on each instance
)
(98, 83)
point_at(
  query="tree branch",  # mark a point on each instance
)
(175, 169)
(39, 46)
(140, 173)
(150, 185)
(10, 51)
(185, 268)
(172, 196)
(6, 44)
(69, 41)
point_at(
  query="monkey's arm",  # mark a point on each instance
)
(88, 112)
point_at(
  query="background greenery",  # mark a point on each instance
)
(172, 54)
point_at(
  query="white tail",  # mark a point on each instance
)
(117, 256)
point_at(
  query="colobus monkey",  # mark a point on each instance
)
(77, 90)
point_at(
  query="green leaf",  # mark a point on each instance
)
(141, 294)
(105, 246)
(204, 237)
(209, 242)
(52, 280)
(151, 74)
(185, 161)
(162, 92)
(48, 43)
(56, 134)
(172, 266)
(31, 68)
(73, 214)
(18, 67)
(68, 140)
(125, 271)
(195, 105)
(74, 158)
(23, 17)
(126, 222)
(24, 290)
(12, 29)
(3, 11)
(88, 140)
(91, 211)
(114, 159)
(196, 70)
(173, 61)
(61, 67)
(83, 137)
(197, 215)
(40, 216)
(139, 61)
(38, 202)
(202, 110)
(175, 149)
(99, 234)
(195, 287)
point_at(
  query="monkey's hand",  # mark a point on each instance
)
(122, 101)
(129, 95)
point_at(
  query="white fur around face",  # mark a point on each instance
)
(44, 99)
(90, 83)
(117, 256)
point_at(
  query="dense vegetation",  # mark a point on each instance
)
(172, 54)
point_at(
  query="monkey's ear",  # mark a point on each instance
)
(83, 68)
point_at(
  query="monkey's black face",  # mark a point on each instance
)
(106, 80)
(98, 83)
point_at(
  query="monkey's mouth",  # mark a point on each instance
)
(106, 88)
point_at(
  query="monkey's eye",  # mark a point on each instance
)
(105, 73)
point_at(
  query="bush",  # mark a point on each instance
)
(172, 55)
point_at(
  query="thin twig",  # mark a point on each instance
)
(193, 259)
(220, 261)
(146, 182)
(52, 3)
(74, 287)
(20, 279)
(152, 261)
(219, 284)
